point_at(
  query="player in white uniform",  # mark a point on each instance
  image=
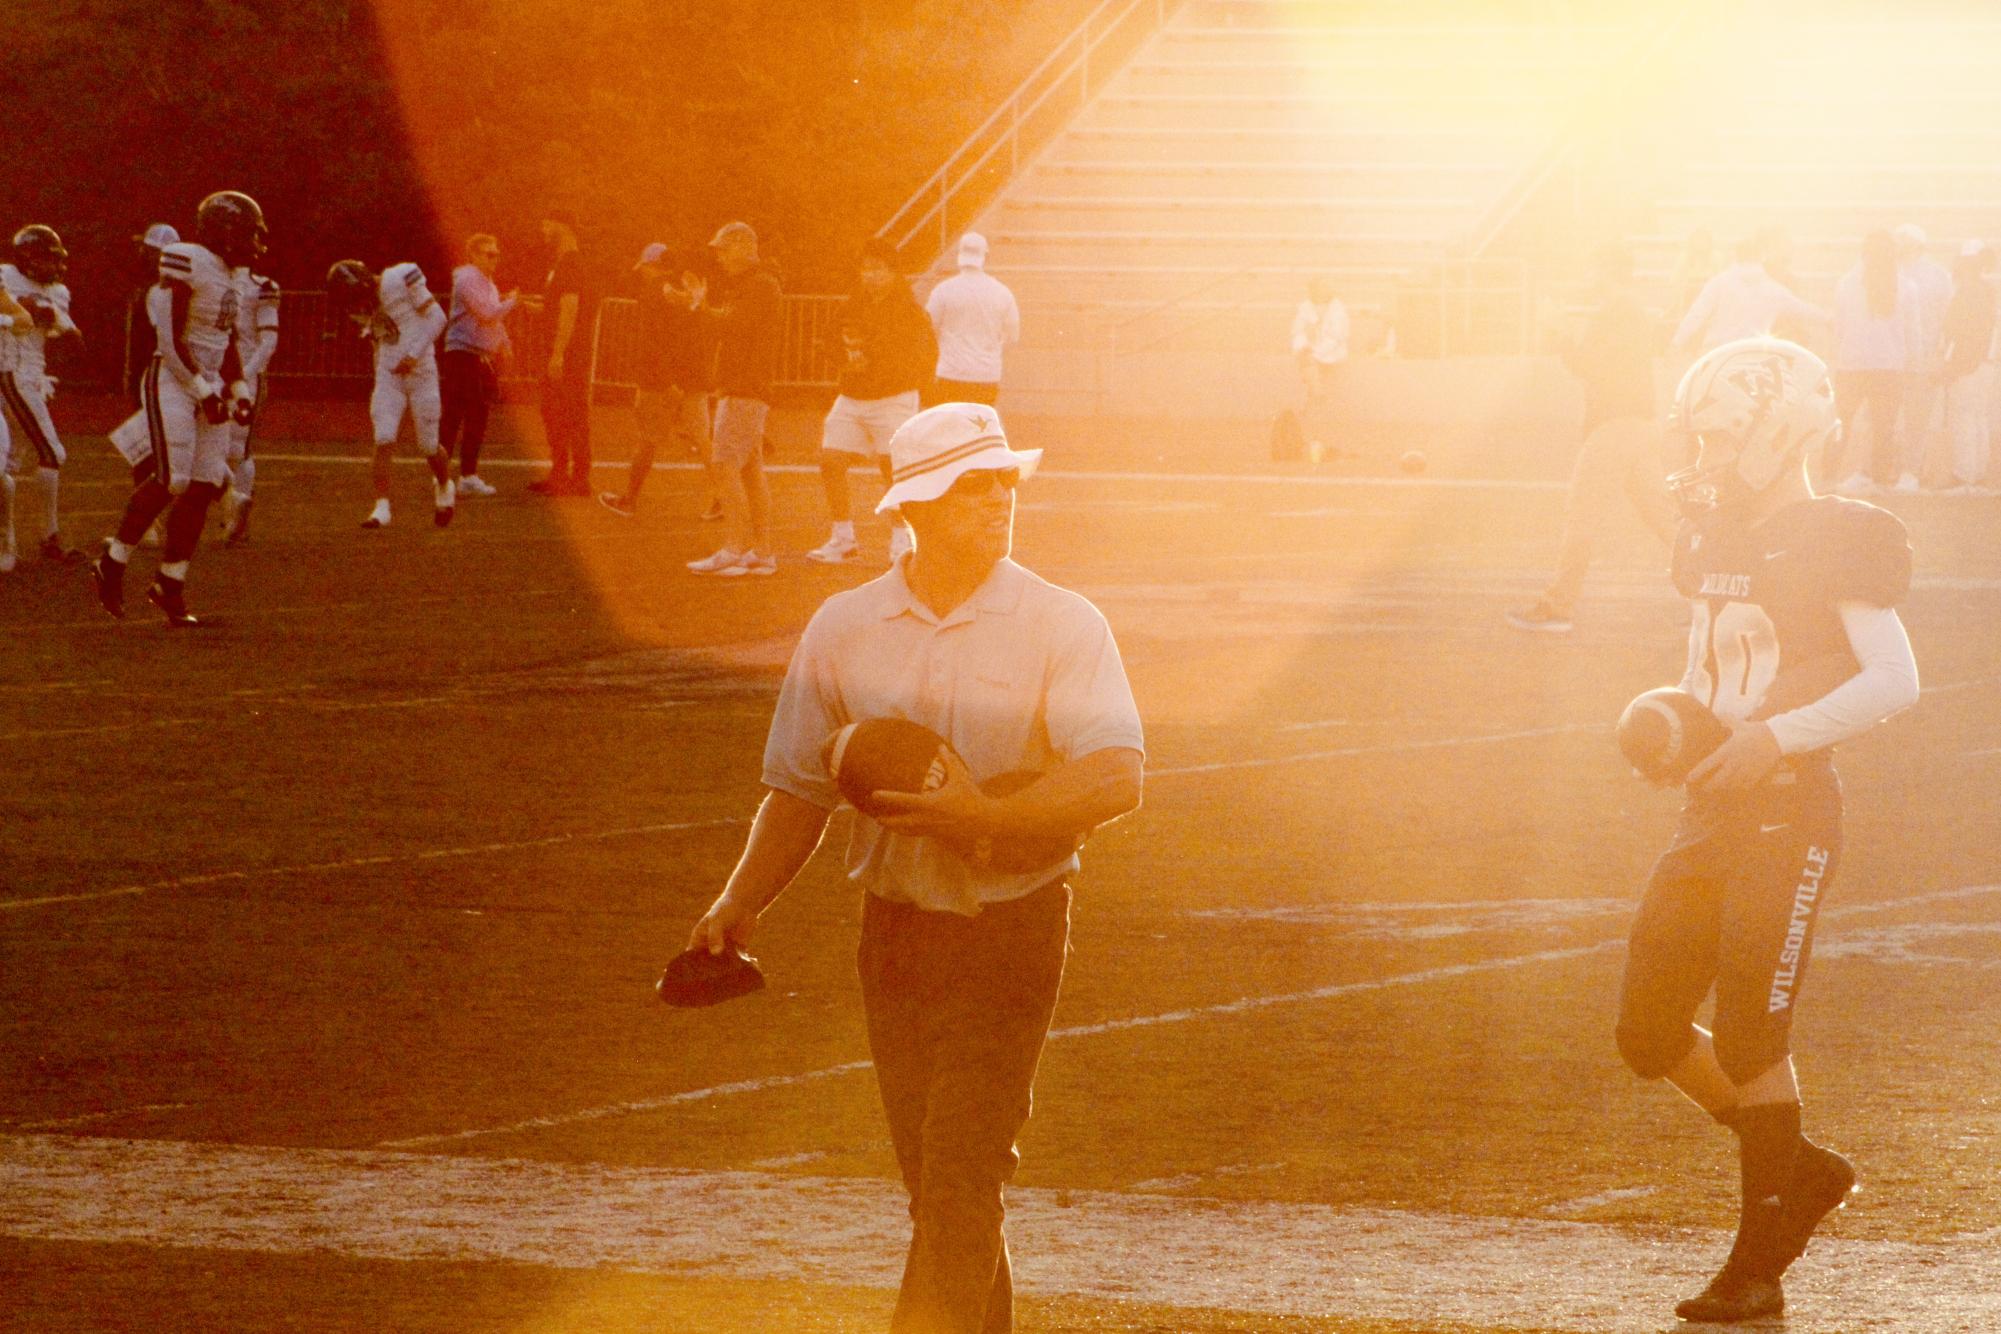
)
(13, 319)
(257, 341)
(35, 281)
(397, 310)
(188, 391)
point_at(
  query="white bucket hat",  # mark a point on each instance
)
(941, 444)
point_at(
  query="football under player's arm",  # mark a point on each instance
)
(1887, 683)
(782, 838)
(1075, 797)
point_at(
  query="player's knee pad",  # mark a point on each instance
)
(1744, 1056)
(1651, 1048)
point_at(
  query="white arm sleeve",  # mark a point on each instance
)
(260, 355)
(1887, 684)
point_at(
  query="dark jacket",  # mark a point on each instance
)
(1615, 360)
(748, 318)
(891, 348)
(1968, 327)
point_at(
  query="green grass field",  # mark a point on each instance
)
(374, 874)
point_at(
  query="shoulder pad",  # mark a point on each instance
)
(1868, 554)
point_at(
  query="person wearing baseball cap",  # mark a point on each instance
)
(976, 319)
(569, 303)
(746, 317)
(672, 371)
(960, 959)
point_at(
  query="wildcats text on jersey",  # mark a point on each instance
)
(1719, 585)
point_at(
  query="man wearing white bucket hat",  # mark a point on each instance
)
(961, 952)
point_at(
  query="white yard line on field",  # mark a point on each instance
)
(357, 863)
(1243, 1005)
(1422, 1269)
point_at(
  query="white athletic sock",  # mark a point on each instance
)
(845, 530)
(443, 493)
(245, 480)
(50, 479)
(381, 511)
(175, 569)
(120, 553)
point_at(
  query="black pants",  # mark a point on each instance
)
(467, 385)
(566, 420)
(958, 1009)
(1732, 903)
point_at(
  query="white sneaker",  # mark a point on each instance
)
(835, 550)
(1907, 485)
(899, 543)
(752, 563)
(377, 517)
(722, 561)
(476, 485)
(1856, 484)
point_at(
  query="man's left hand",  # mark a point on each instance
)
(955, 809)
(1749, 753)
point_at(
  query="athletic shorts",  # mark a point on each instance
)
(740, 431)
(1732, 904)
(186, 446)
(862, 426)
(22, 395)
(418, 392)
(676, 413)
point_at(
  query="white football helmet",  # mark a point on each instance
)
(1754, 408)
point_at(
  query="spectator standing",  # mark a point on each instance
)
(1873, 328)
(1966, 345)
(675, 357)
(1743, 301)
(476, 344)
(747, 318)
(569, 304)
(1320, 345)
(146, 248)
(976, 320)
(1622, 453)
(1921, 433)
(890, 351)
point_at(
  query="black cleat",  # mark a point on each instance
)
(1822, 1182)
(53, 550)
(1734, 1296)
(166, 595)
(442, 516)
(107, 580)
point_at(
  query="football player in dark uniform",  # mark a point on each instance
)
(1796, 645)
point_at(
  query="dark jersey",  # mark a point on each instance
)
(1767, 635)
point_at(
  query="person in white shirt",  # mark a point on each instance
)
(1874, 328)
(961, 950)
(976, 320)
(35, 283)
(476, 343)
(1743, 301)
(1319, 339)
(1921, 439)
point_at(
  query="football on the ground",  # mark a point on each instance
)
(884, 755)
(1667, 732)
(1412, 461)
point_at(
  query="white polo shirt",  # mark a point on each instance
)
(1023, 675)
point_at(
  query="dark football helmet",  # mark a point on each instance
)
(39, 254)
(231, 224)
(352, 291)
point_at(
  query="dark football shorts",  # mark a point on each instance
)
(1732, 904)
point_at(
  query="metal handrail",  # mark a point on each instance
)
(935, 196)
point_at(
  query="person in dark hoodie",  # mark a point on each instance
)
(891, 351)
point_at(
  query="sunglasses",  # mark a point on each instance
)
(977, 482)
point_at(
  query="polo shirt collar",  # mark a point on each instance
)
(1000, 593)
